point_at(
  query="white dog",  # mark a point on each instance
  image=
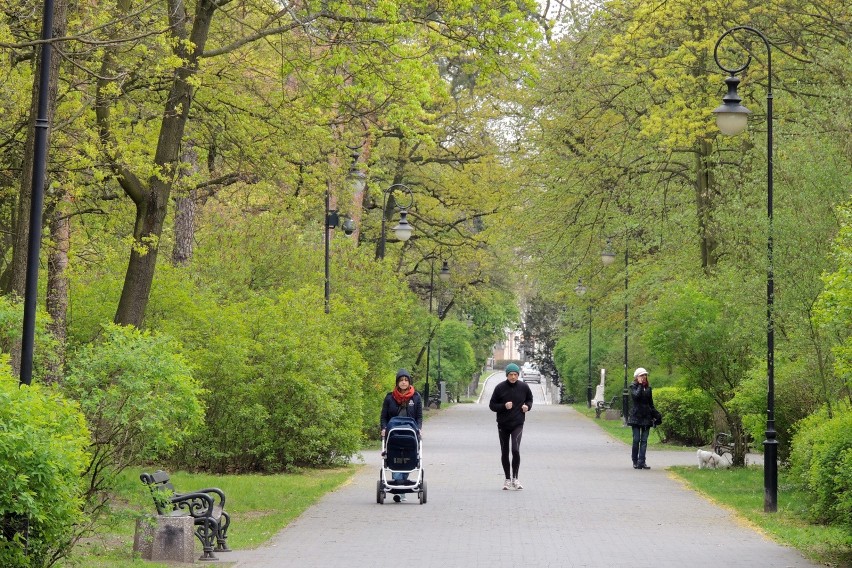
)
(707, 460)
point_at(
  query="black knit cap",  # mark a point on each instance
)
(402, 373)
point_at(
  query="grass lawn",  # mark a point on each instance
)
(741, 490)
(259, 505)
(617, 430)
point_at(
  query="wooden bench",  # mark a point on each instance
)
(603, 405)
(205, 506)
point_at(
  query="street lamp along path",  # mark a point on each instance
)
(732, 119)
(403, 229)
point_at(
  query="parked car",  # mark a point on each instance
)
(530, 373)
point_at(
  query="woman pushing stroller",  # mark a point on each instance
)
(402, 401)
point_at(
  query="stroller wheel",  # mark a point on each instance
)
(422, 493)
(380, 495)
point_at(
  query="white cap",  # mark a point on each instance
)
(639, 371)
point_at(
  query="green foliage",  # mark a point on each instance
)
(11, 324)
(822, 462)
(458, 364)
(43, 439)
(571, 356)
(139, 397)
(491, 312)
(834, 308)
(701, 334)
(796, 397)
(687, 415)
(698, 332)
(281, 389)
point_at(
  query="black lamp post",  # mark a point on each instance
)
(732, 119)
(580, 289)
(42, 130)
(444, 275)
(403, 229)
(332, 220)
(608, 257)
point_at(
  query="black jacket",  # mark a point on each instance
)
(391, 408)
(519, 393)
(642, 411)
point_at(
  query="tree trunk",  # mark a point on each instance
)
(151, 201)
(17, 282)
(57, 286)
(358, 182)
(185, 210)
(705, 195)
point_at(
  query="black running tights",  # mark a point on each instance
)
(515, 436)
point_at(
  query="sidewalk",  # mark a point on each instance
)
(583, 505)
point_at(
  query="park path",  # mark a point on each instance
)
(583, 505)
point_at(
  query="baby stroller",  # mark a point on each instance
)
(401, 453)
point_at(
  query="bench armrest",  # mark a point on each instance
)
(213, 492)
(197, 505)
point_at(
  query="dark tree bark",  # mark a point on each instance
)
(185, 211)
(705, 200)
(57, 285)
(152, 197)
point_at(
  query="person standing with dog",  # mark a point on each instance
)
(511, 400)
(642, 416)
(403, 400)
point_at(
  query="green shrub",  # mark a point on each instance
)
(821, 463)
(138, 395)
(687, 414)
(282, 389)
(43, 438)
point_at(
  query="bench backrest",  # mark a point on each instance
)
(161, 489)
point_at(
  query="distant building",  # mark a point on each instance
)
(510, 349)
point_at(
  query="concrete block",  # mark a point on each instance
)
(165, 539)
(612, 414)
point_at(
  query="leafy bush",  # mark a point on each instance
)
(43, 438)
(452, 345)
(11, 325)
(795, 398)
(138, 395)
(283, 389)
(687, 415)
(822, 461)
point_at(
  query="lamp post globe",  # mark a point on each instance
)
(403, 229)
(444, 274)
(731, 116)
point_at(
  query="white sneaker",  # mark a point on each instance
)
(403, 497)
(517, 484)
(507, 485)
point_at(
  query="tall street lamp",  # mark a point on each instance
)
(444, 275)
(580, 289)
(42, 132)
(403, 229)
(732, 119)
(608, 257)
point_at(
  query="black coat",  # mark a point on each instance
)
(642, 411)
(391, 408)
(519, 393)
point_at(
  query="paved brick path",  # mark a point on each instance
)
(583, 505)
